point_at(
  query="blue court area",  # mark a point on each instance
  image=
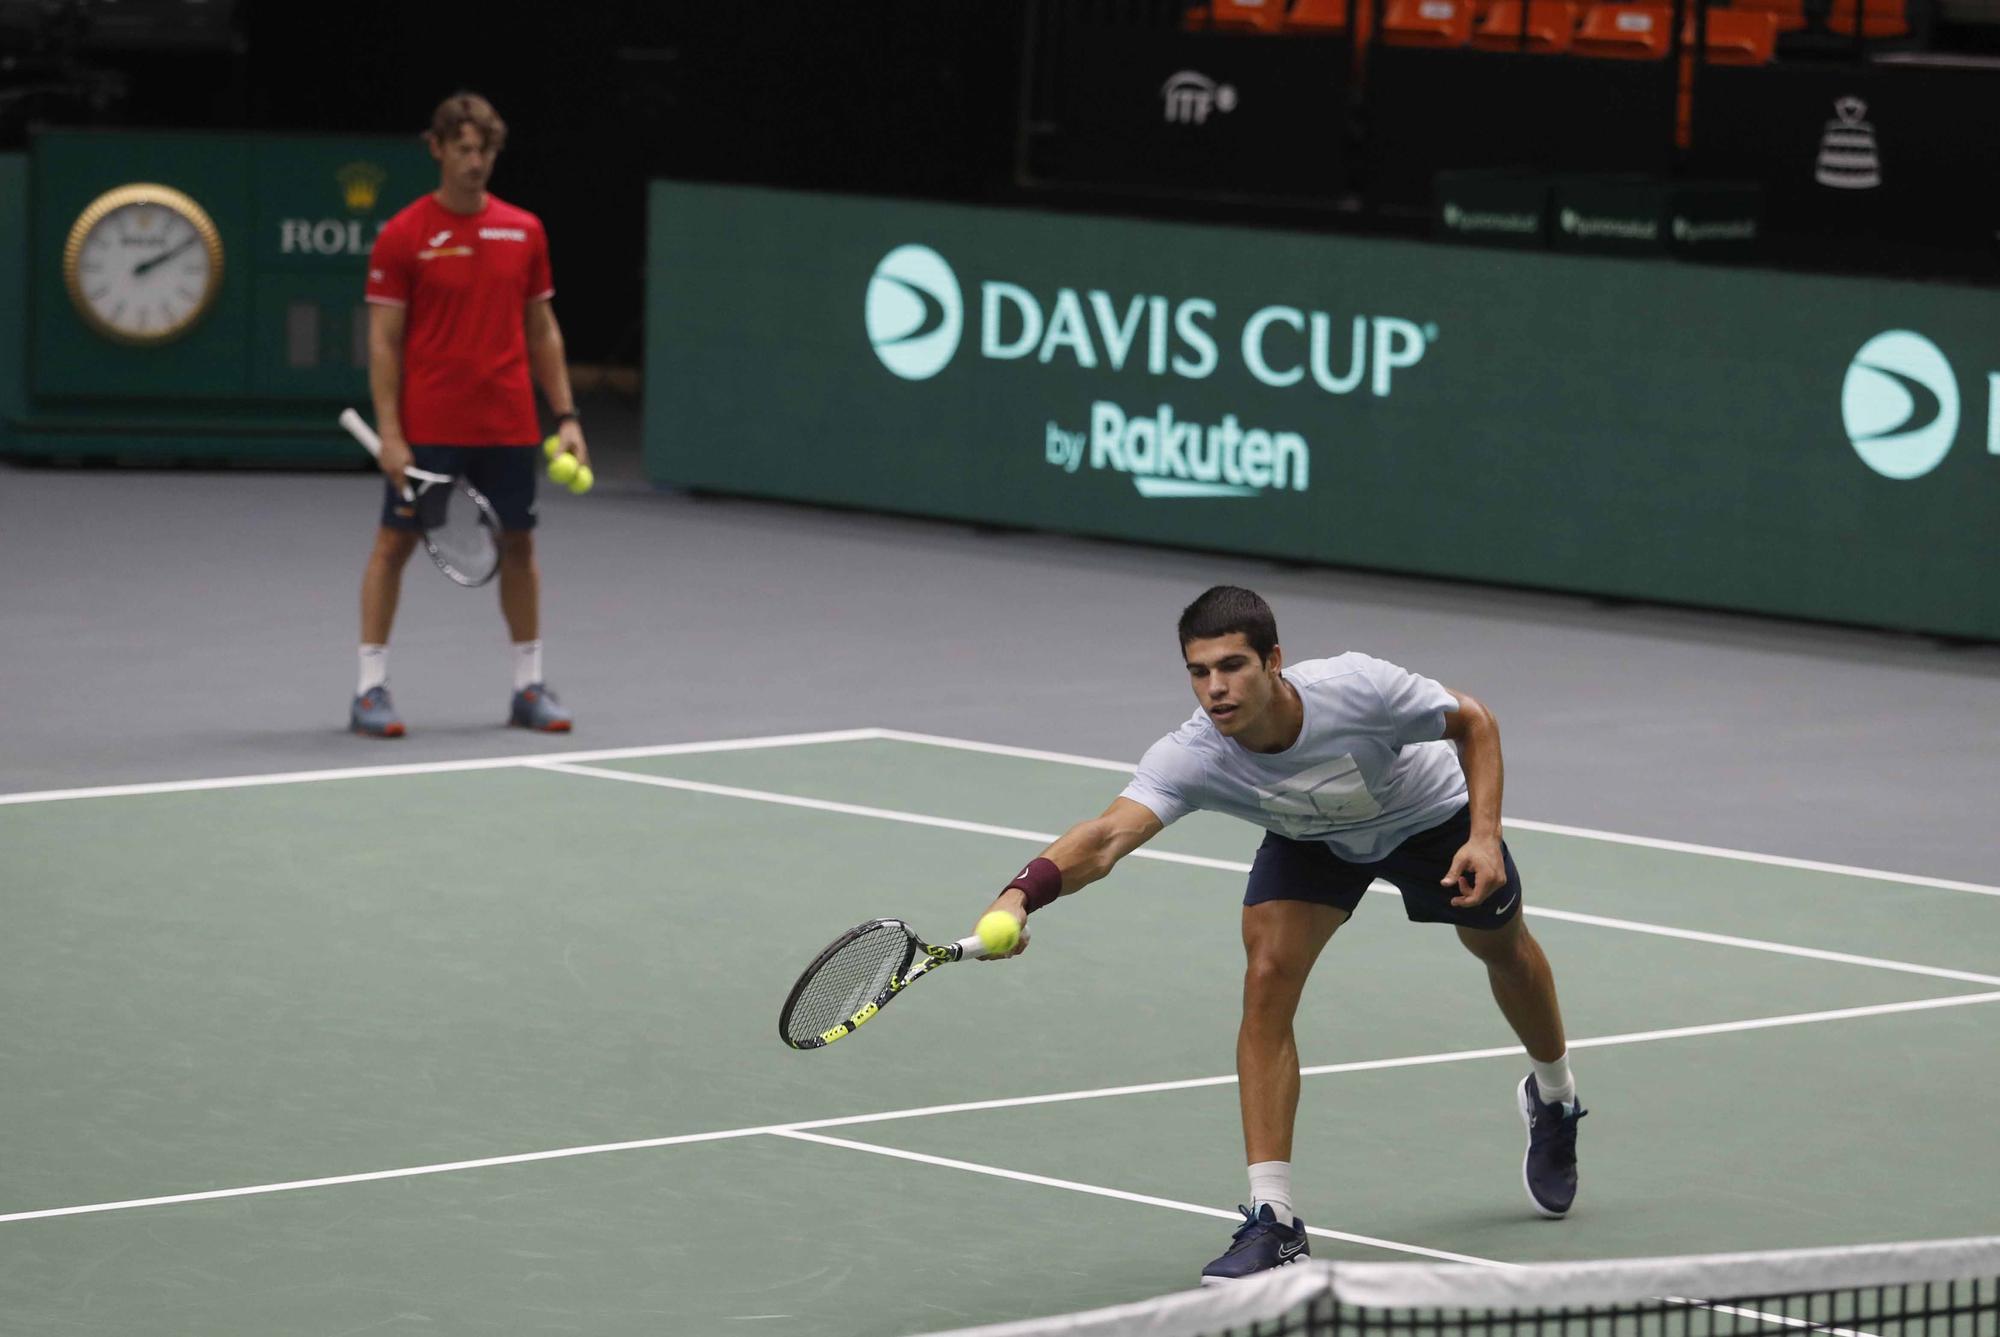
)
(491, 1047)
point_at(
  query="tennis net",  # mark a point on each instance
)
(1942, 1288)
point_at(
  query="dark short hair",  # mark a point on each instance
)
(1223, 609)
(464, 108)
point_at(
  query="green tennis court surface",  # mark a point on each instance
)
(373, 980)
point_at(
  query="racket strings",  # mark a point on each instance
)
(851, 977)
(460, 531)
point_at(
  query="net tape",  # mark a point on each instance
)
(1529, 1288)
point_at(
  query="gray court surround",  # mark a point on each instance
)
(490, 1048)
(170, 625)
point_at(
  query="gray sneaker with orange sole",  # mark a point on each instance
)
(536, 707)
(374, 714)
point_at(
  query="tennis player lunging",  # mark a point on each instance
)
(459, 314)
(1349, 765)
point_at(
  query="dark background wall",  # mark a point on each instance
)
(928, 98)
(897, 96)
(900, 96)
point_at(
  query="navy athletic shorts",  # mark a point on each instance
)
(1306, 870)
(506, 474)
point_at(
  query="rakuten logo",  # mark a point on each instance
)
(1169, 458)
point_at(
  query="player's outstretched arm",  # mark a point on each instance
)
(1079, 857)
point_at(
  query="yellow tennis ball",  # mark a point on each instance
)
(998, 932)
(552, 447)
(562, 469)
(583, 480)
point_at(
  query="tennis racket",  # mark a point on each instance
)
(859, 975)
(460, 530)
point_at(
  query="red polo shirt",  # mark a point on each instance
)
(466, 280)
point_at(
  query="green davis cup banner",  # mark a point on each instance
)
(1808, 446)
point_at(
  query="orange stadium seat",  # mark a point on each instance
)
(1625, 32)
(1329, 16)
(1427, 22)
(1551, 24)
(1738, 36)
(1790, 14)
(1238, 15)
(1879, 18)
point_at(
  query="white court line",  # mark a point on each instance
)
(1549, 828)
(1411, 1061)
(791, 800)
(931, 740)
(1005, 1102)
(438, 767)
(1760, 945)
(1371, 1241)
(370, 1176)
(1230, 865)
(1144, 1199)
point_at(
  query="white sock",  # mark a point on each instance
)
(374, 667)
(527, 664)
(1271, 1181)
(1554, 1081)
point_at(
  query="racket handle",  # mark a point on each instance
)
(358, 428)
(972, 949)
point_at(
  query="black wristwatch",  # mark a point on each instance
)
(571, 416)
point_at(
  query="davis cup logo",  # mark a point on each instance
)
(1900, 404)
(914, 312)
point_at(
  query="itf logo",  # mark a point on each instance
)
(914, 312)
(1900, 404)
(1189, 96)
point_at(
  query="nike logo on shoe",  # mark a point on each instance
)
(1288, 1251)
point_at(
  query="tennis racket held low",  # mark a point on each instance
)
(860, 973)
(464, 541)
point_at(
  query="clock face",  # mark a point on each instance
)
(143, 264)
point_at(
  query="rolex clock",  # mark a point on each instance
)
(143, 264)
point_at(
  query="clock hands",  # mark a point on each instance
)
(148, 266)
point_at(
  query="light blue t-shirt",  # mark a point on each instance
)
(1369, 769)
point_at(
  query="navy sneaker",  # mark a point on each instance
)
(1549, 1168)
(536, 707)
(374, 715)
(1260, 1244)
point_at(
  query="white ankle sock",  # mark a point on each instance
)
(374, 667)
(1554, 1081)
(527, 664)
(1271, 1181)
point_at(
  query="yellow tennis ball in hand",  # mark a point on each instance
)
(583, 480)
(998, 932)
(562, 469)
(552, 447)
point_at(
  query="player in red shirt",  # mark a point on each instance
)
(459, 317)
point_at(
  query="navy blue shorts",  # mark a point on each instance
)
(506, 474)
(1306, 870)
